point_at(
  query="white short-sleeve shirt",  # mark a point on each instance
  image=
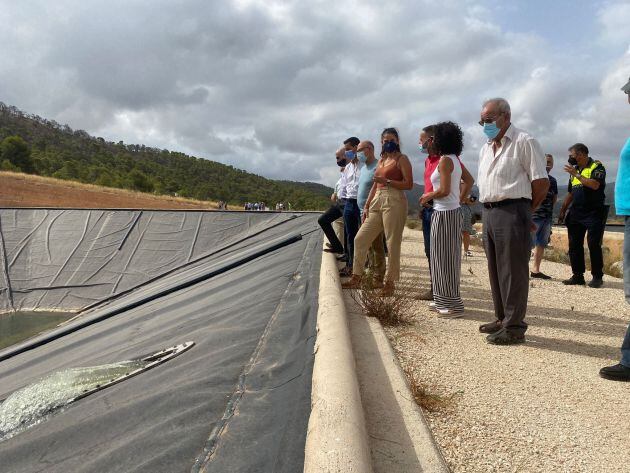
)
(509, 173)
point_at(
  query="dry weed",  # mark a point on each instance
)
(390, 311)
(428, 401)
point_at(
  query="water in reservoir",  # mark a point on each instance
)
(18, 326)
(34, 403)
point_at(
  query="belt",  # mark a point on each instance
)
(501, 203)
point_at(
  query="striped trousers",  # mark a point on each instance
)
(446, 258)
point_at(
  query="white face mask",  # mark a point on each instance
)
(361, 157)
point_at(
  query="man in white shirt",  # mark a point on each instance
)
(335, 211)
(351, 211)
(512, 183)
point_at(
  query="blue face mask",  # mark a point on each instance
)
(361, 157)
(350, 155)
(423, 150)
(491, 130)
(390, 147)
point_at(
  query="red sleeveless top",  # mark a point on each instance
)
(391, 172)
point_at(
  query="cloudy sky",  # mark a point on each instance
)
(274, 87)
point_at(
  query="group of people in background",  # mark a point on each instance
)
(254, 206)
(518, 197)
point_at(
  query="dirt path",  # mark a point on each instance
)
(537, 407)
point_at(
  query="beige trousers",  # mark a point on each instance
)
(376, 258)
(388, 214)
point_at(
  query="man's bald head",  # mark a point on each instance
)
(368, 148)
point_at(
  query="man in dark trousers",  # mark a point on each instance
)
(512, 183)
(335, 211)
(587, 213)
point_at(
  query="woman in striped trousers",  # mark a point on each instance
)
(447, 220)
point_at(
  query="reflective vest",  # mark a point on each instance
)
(586, 172)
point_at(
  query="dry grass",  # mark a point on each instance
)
(390, 311)
(427, 400)
(27, 190)
(558, 252)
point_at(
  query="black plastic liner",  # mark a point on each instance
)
(238, 401)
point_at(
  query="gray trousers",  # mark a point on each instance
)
(507, 239)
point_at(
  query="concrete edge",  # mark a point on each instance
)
(426, 448)
(336, 438)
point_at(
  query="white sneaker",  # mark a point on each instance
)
(469, 253)
(449, 314)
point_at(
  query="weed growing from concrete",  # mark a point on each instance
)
(391, 310)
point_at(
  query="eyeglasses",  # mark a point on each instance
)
(487, 121)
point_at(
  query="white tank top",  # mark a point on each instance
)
(451, 201)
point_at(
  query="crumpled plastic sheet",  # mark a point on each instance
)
(68, 259)
(238, 401)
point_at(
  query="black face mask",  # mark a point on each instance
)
(573, 161)
(341, 162)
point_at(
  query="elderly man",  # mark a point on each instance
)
(335, 211)
(512, 183)
(365, 156)
(587, 213)
(621, 371)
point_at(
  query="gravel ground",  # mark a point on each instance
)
(536, 407)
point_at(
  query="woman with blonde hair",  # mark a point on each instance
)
(385, 211)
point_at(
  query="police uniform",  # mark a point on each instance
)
(587, 214)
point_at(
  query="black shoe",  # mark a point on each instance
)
(539, 276)
(574, 281)
(596, 283)
(617, 372)
(342, 258)
(345, 272)
(330, 250)
(492, 327)
(503, 337)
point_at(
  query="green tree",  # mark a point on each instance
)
(15, 150)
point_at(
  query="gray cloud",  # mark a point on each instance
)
(274, 86)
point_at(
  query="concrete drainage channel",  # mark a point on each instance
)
(338, 438)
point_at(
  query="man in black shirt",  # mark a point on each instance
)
(542, 217)
(587, 213)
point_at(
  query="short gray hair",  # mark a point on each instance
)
(502, 104)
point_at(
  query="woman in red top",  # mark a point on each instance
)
(385, 211)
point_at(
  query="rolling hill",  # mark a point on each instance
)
(35, 145)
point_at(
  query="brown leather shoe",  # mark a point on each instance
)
(492, 327)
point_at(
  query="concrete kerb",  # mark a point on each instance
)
(337, 438)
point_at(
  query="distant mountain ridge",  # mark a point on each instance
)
(35, 145)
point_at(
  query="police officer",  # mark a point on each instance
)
(587, 213)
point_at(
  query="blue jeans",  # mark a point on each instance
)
(625, 346)
(351, 221)
(543, 231)
(425, 215)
